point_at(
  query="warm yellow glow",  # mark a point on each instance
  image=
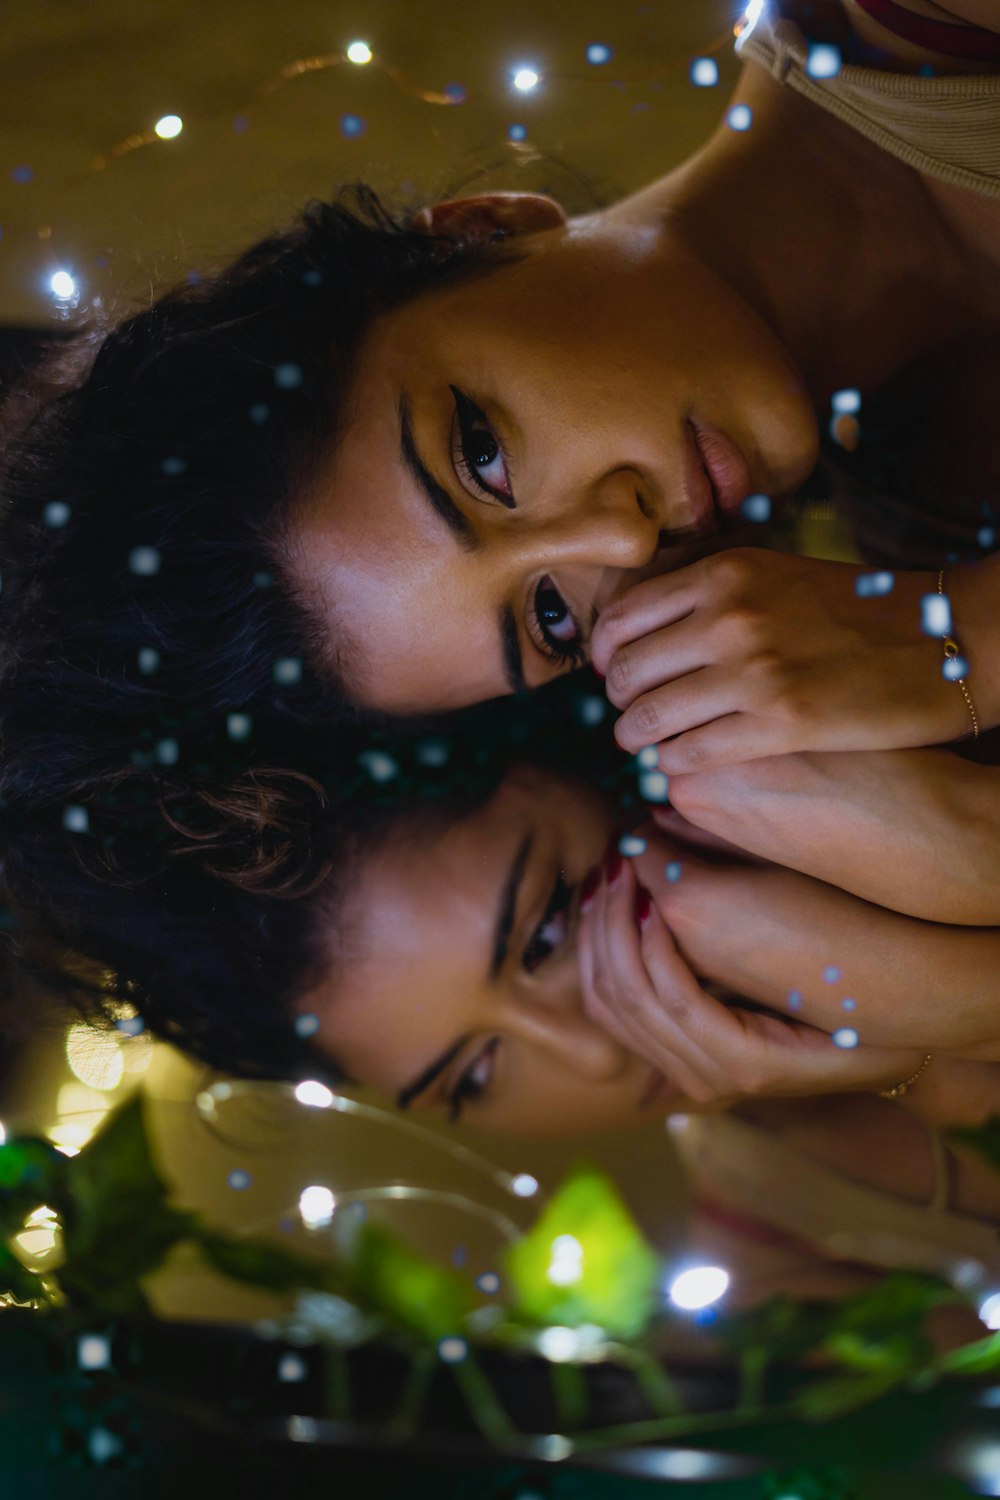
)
(94, 1056)
(73, 1135)
(39, 1237)
(169, 126)
(360, 53)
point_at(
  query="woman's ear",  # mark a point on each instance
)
(490, 216)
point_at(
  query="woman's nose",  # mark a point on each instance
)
(611, 524)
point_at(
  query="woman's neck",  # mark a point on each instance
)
(838, 246)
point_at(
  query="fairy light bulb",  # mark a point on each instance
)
(63, 286)
(526, 79)
(359, 53)
(169, 126)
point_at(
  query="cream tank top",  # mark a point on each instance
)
(944, 127)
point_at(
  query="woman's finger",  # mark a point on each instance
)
(645, 607)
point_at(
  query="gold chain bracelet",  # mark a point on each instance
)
(952, 652)
(900, 1089)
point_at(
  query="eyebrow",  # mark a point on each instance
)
(438, 497)
(501, 940)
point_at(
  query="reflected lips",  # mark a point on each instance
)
(725, 466)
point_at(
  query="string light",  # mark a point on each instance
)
(526, 79)
(168, 127)
(316, 1206)
(698, 1287)
(63, 286)
(359, 53)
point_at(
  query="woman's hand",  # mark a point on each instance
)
(751, 653)
(815, 953)
(637, 985)
(917, 831)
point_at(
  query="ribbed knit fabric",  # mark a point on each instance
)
(945, 127)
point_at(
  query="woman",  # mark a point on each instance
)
(400, 470)
(454, 965)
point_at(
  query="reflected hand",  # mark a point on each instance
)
(752, 653)
(639, 988)
(917, 831)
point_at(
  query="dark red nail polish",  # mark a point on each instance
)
(612, 866)
(588, 886)
(642, 906)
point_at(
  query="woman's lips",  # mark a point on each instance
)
(725, 466)
(698, 487)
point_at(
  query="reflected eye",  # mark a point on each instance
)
(474, 1081)
(552, 929)
(476, 453)
(556, 633)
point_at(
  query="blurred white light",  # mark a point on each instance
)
(984, 1462)
(845, 1037)
(685, 1463)
(740, 117)
(360, 53)
(698, 1287)
(169, 126)
(649, 757)
(3, 1134)
(93, 1351)
(94, 1056)
(525, 79)
(567, 1260)
(824, 61)
(316, 1205)
(291, 1367)
(654, 786)
(936, 614)
(452, 1350)
(989, 1311)
(558, 1343)
(524, 1185)
(704, 72)
(313, 1093)
(63, 286)
(748, 21)
(847, 400)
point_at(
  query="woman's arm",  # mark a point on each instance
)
(751, 653)
(917, 831)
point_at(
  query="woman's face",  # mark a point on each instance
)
(520, 446)
(461, 947)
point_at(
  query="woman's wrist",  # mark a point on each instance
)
(973, 592)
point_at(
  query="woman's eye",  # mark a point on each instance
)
(552, 929)
(474, 1081)
(477, 454)
(555, 630)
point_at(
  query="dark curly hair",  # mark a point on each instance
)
(149, 642)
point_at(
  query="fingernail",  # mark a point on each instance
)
(612, 866)
(588, 886)
(642, 906)
(598, 672)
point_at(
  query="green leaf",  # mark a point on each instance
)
(118, 1226)
(982, 1138)
(610, 1279)
(389, 1277)
(980, 1358)
(843, 1393)
(264, 1265)
(32, 1172)
(779, 1328)
(17, 1281)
